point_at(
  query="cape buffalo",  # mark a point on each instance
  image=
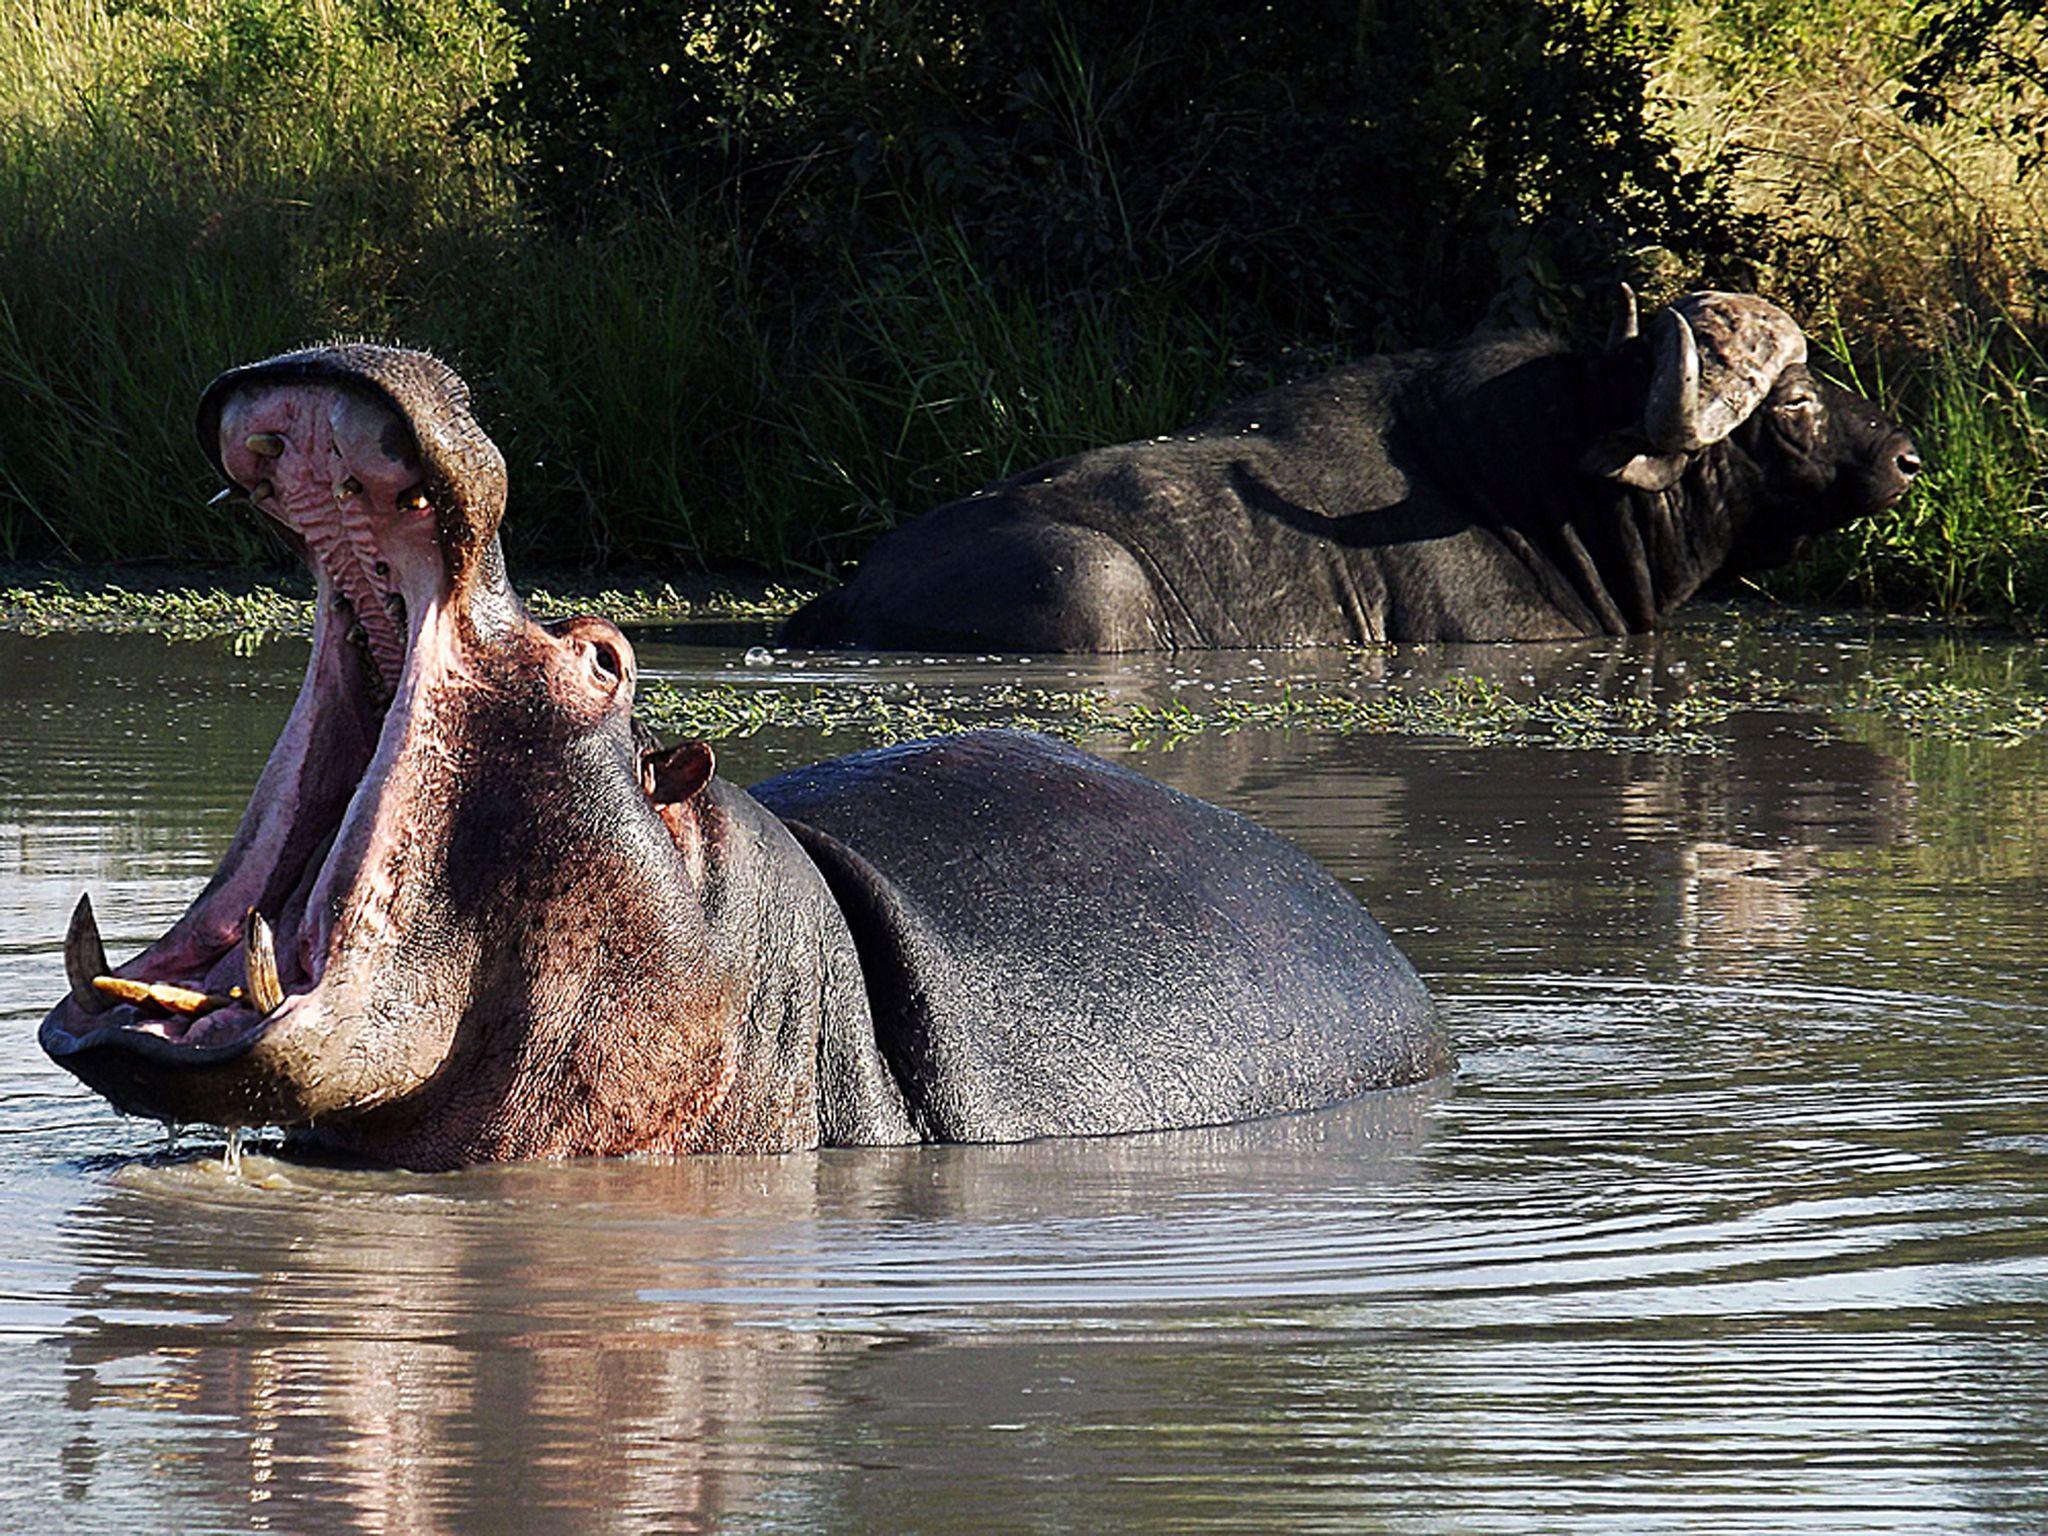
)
(1506, 489)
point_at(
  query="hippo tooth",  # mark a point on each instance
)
(350, 486)
(259, 962)
(265, 445)
(85, 957)
(261, 490)
(165, 995)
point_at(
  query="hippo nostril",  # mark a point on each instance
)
(605, 658)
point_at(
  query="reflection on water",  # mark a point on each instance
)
(1735, 1217)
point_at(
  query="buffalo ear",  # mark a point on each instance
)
(1634, 463)
(670, 777)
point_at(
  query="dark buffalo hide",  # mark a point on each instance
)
(1506, 489)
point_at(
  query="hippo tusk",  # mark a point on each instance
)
(265, 993)
(1671, 413)
(265, 445)
(85, 957)
(350, 486)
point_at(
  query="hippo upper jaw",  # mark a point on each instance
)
(203, 1022)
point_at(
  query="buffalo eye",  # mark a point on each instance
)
(1799, 415)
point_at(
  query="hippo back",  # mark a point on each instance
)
(1056, 946)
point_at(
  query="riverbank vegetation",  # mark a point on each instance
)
(739, 285)
(254, 607)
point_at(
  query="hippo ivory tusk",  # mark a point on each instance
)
(85, 957)
(259, 964)
(265, 445)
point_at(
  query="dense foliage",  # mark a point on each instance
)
(1366, 173)
(1987, 59)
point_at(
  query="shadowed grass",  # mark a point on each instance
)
(655, 409)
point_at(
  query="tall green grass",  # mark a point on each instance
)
(1972, 538)
(186, 188)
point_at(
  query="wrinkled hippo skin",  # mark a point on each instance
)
(1052, 945)
(474, 912)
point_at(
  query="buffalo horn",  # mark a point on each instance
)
(1744, 343)
(1671, 413)
(85, 957)
(1622, 325)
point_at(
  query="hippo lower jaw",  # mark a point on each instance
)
(244, 967)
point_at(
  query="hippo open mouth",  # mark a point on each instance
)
(399, 534)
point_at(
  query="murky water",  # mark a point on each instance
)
(1735, 1218)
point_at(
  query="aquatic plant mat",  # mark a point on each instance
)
(1674, 705)
(1472, 709)
(1673, 699)
(251, 610)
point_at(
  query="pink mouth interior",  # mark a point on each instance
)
(340, 470)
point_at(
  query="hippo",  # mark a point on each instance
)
(1508, 489)
(475, 912)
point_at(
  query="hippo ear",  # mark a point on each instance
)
(673, 776)
(1628, 459)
